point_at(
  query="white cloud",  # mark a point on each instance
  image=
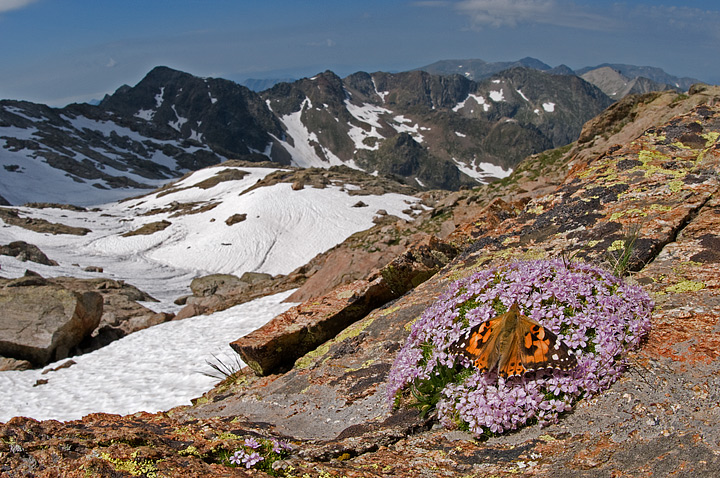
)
(7, 5)
(680, 18)
(584, 16)
(111, 63)
(328, 42)
(499, 13)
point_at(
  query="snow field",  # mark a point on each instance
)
(160, 367)
(151, 370)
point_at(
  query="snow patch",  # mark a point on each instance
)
(147, 115)
(367, 113)
(480, 100)
(549, 107)
(482, 172)
(381, 94)
(403, 125)
(159, 97)
(460, 134)
(169, 372)
(303, 150)
(523, 96)
(177, 125)
(497, 96)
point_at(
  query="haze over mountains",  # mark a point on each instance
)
(430, 128)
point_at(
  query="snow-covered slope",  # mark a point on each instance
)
(283, 229)
(161, 367)
(151, 370)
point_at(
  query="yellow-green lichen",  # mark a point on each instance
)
(628, 212)
(617, 245)
(409, 325)
(711, 137)
(228, 436)
(535, 209)
(679, 145)
(133, 466)
(646, 156)
(351, 331)
(685, 286)
(676, 185)
(191, 450)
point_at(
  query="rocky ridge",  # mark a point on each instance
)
(657, 420)
(615, 80)
(439, 131)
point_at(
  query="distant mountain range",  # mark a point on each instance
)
(615, 80)
(430, 127)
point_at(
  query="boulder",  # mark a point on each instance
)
(213, 284)
(255, 277)
(44, 323)
(301, 329)
(26, 252)
(235, 218)
(417, 264)
(7, 364)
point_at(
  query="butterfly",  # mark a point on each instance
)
(514, 344)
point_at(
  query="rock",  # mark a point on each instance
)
(30, 278)
(44, 323)
(214, 284)
(359, 204)
(290, 335)
(150, 228)
(417, 265)
(217, 292)
(142, 322)
(26, 252)
(12, 217)
(235, 218)
(7, 364)
(93, 269)
(253, 278)
(190, 310)
(122, 312)
(66, 364)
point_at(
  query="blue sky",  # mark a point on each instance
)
(60, 51)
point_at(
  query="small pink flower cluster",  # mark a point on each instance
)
(596, 315)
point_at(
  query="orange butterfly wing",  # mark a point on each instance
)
(515, 344)
(481, 344)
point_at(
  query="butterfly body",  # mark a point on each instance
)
(514, 344)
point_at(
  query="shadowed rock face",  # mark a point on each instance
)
(659, 419)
